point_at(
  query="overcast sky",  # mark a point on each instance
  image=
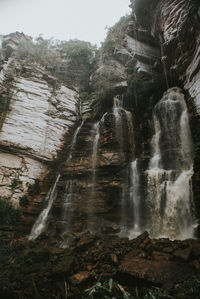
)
(62, 19)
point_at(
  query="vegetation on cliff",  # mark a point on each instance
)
(71, 61)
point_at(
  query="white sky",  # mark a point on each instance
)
(62, 19)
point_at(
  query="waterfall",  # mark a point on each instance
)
(73, 143)
(41, 221)
(131, 214)
(117, 108)
(130, 200)
(96, 137)
(169, 199)
(135, 198)
(68, 205)
(95, 148)
(118, 112)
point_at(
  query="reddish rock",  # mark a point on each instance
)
(168, 249)
(161, 256)
(196, 248)
(85, 243)
(114, 258)
(196, 263)
(64, 267)
(80, 277)
(159, 272)
(183, 253)
(138, 253)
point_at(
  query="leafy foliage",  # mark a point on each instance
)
(107, 290)
(35, 188)
(70, 60)
(115, 36)
(9, 215)
(23, 201)
(79, 56)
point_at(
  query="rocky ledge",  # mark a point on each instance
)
(92, 265)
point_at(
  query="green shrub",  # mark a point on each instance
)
(9, 215)
(71, 61)
(23, 201)
(15, 182)
(35, 188)
(107, 290)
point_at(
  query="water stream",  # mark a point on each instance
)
(73, 143)
(119, 112)
(169, 200)
(41, 222)
(68, 203)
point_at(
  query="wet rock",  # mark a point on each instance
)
(161, 256)
(80, 277)
(64, 266)
(196, 248)
(141, 238)
(160, 272)
(85, 243)
(114, 258)
(168, 249)
(183, 253)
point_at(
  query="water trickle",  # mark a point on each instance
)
(119, 112)
(131, 214)
(134, 196)
(169, 200)
(73, 143)
(96, 131)
(68, 204)
(96, 137)
(117, 109)
(41, 221)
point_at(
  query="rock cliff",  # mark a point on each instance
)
(91, 164)
(44, 131)
(35, 117)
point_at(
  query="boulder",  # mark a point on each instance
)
(160, 272)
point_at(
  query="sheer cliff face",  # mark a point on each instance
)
(35, 116)
(158, 50)
(175, 27)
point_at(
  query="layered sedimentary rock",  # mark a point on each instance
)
(104, 185)
(35, 117)
(126, 162)
(105, 160)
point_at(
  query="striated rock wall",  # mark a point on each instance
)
(145, 66)
(35, 117)
(157, 50)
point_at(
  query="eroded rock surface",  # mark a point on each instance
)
(35, 117)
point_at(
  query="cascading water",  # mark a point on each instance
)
(118, 112)
(41, 221)
(130, 200)
(169, 199)
(135, 198)
(130, 210)
(96, 137)
(73, 143)
(95, 151)
(117, 109)
(68, 204)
